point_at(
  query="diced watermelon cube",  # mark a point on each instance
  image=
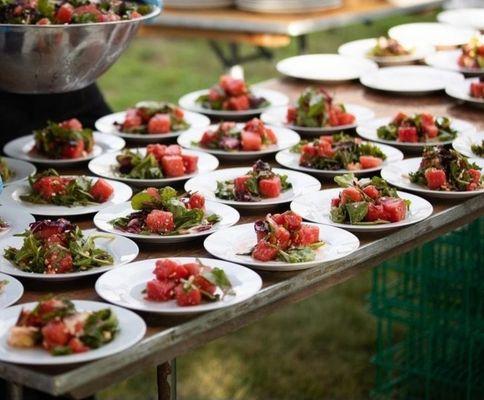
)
(158, 221)
(407, 134)
(251, 141)
(264, 251)
(101, 190)
(270, 187)
(370, 162)
(159, 123)
(306, 235)
(395, 209)
(173, 166)
(240, 182)
(190, 162)
(436, 178)
(157, 290)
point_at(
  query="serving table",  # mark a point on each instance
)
(169, 337)
(268, 31)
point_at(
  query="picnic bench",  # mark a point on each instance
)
(169, 337)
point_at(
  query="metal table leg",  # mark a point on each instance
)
(14, 391)
(166, 380)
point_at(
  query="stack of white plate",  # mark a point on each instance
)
(197, 4)
(286, 6)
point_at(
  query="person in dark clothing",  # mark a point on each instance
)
(20, 114)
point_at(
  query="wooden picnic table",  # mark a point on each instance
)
(169, 337)
(267, 30)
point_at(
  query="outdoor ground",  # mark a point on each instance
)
(317, 349)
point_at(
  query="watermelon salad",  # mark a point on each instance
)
(339, 151)
(152, 117)
(472, 55)
(285, 238)
(387, 47)
(189, 284)
(231, 94)
(49, 187)
(367, 201)
(253, 136)
(57, 247)
(447, 170)
(315, 108)
(417, 128)
(165, 212)
(258, 183)
(160, 161)
(478, 149)
(5, 172)
(60, 12)
(56, 326)
(477, 90)
(63, 140)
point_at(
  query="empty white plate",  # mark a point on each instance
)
(21, 170)
(472, 18)
(362, 48)
(397, 174)
(448, 60)
(410, 80)
(132, 328)
(316, 207)
(21, 147)
(278, 117)
(11, 198)
(276, 99)
(123, 250)
(228, 217)
(325, 67)
(106, 124)
(230, 244)
(125, 287)
(11, 291)
(290, 159)
(463, 143)
(462, 91)
(106, 165)
(207, 185)
(368, 131)
(285, 138)
(431, 33)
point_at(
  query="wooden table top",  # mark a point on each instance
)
(168, 337)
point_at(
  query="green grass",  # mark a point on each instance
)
(317, 349)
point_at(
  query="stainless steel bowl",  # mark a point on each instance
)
(61, 58)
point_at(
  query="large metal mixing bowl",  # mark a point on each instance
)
(61, 58)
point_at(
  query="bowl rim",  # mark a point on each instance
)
(156, 10)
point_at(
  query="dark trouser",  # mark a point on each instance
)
(21, 113)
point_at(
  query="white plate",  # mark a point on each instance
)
(124, 287)
(207, 185)
(106, 125)
(397, 175)
(21, 170)
(361, 48)
(285, 138)
(448, 60)
(368, 131)
(463, 143)
(316, 207)
(229, 244)
(325, 67)
(105, 166)
(11, 198)
(132, 328)
(17, 219)
(103, 143)
(431, 33)
(12, 291)
(463, 17)
(276, 99)
(461, 91)
(229, 216)
(289, 159)
(123, 250)
(278, 117)
(411, 79)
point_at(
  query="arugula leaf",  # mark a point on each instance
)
(357, 211)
